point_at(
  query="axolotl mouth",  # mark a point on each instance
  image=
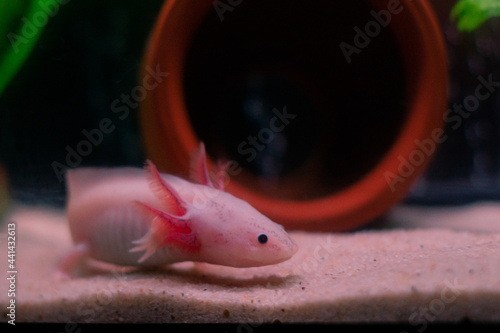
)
(284, 252)
(245, 262)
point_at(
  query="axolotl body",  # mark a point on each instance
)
(135, 217)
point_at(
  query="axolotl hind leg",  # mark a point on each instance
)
(67, 264)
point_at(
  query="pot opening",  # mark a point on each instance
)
(270, 88)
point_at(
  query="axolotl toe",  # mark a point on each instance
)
(136, 217)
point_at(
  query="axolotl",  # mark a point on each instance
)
(141, 217)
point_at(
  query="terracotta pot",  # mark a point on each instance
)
(372, 128)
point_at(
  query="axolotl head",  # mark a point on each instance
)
(233, 233)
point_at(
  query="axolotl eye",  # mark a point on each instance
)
(262, 238)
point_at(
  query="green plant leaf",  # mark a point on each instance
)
(18, 35)
(470, 14)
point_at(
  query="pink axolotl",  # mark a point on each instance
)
(134, 217)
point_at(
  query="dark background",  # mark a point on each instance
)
(90, 53)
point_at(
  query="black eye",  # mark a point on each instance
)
(262, 238)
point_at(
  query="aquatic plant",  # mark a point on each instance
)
(21, 24)
(470, 14)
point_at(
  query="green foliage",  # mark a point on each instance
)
(470, 14)
(18, 35)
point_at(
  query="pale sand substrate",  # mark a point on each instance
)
(394, 275)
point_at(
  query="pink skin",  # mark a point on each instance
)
(122, 217)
